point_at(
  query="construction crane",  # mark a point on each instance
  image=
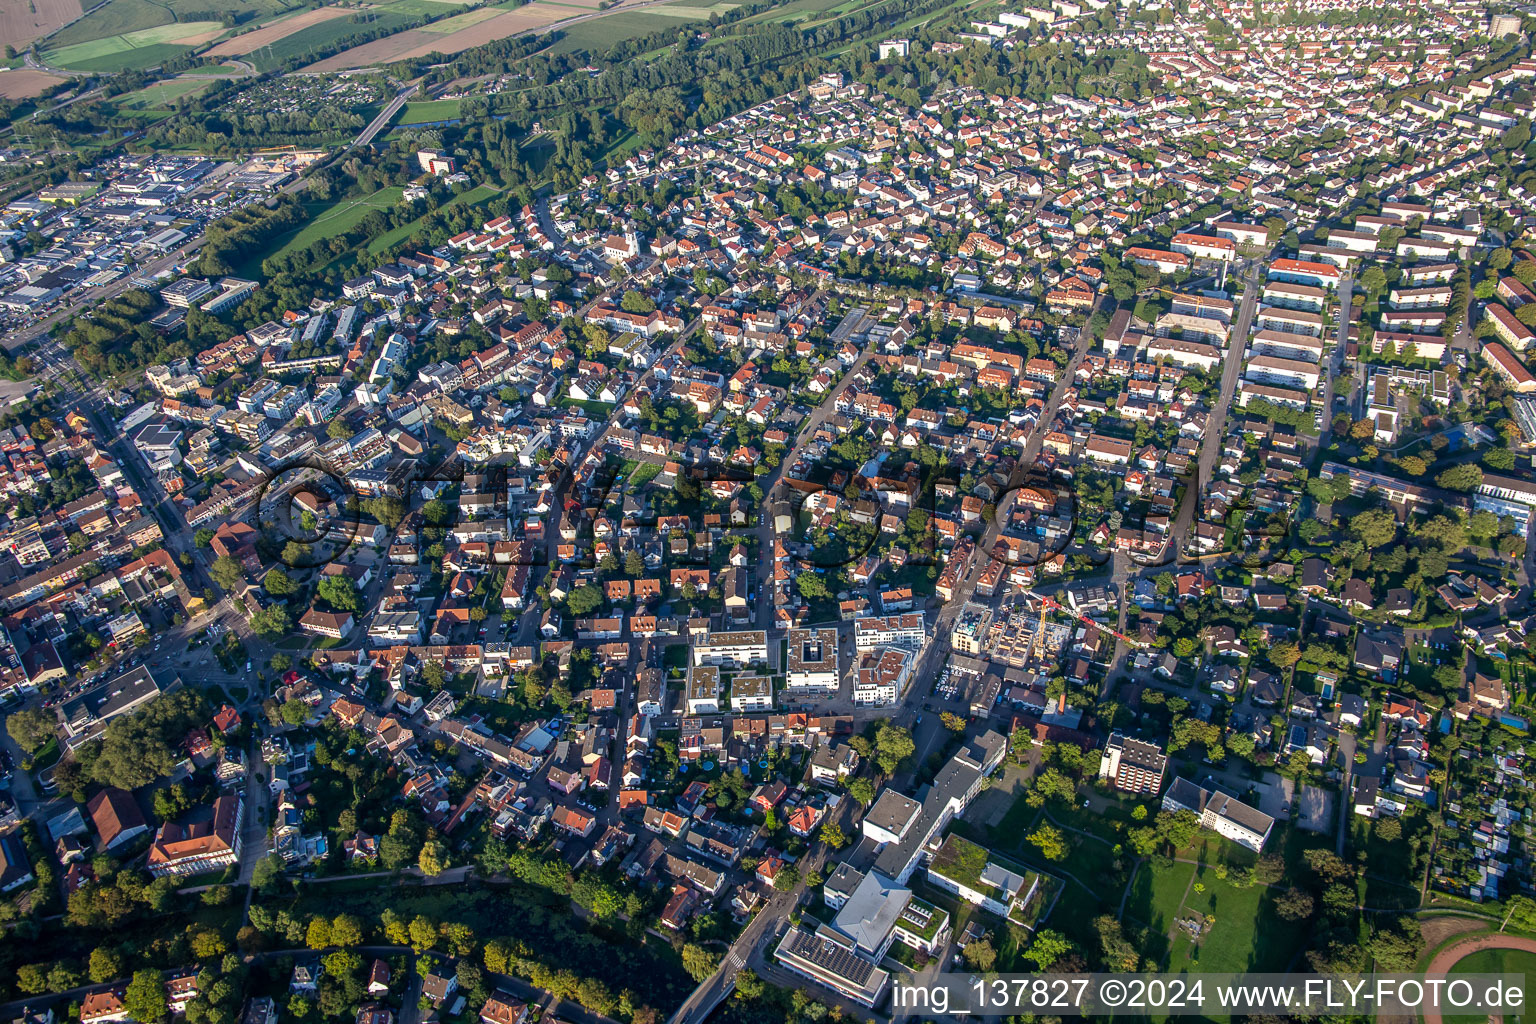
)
(1050, 603)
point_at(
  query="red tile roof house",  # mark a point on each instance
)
(104, 1007)
(803, 822)
(503, 1008)
(226, 720)
(769, 795)
(203, 846)
(116, 816)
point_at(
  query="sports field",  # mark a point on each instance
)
(428, 110)
(137, 49)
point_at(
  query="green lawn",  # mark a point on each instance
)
(1156, 894)
(478, 194)
(1244, 934)
(161, 95)
(429, 110)
(340, 216)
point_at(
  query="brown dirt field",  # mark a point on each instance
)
(1448, 957)
(22, 21)
(499, 27)
(420, 42)
(250, 42)
(24, 82)
(1441, 927)
(380, 51)
(199, 38)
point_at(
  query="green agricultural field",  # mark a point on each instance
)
(115, 18)
(122, 50)
(429, 110)
(794, 11)
(316, 37)
(418, 8)
(599, 34)
(119, 17)
(136, 59)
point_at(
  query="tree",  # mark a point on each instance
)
(144, 1000)
(584, 600)
(339, 592)
(981, 955)
(748, 985)
(1051, 841)
(227, 572)
(203, 538)
(952, 721)
(388, 511)
(893, 745)
(338, 430)
(271, 622)
(31, 728)
(699, 962)
(278, 583)
(32, 979)
(268, 870)
(1373, 279)
(1294, 905)
(1522, 911)
(635, 302)
(787, 878)
(318, 934)
(1048, 947)
(862, 790)
(433, 859)
(1177, 829)
(1465, 477)
(832, 834)
(1328, 866)
(1285, 654)
(346, 930)
(811, 586)
(138, 748)
(105, 965)
(1374, 527)
(423, 933)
